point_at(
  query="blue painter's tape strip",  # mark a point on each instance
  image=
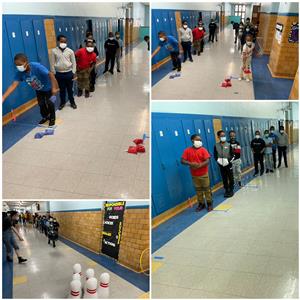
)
(77, 210)
(139, 280)
(137, 207)
(158, 257)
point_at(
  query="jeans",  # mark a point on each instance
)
(9, 242)
(259, 158)
(110, 59)
(282, 152)
(187, 50)
(65, 82)
(47, 107)
(227, 177)
(176, 60)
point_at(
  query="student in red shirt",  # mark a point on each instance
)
(86, 60)
(197, 158)
(198, 39)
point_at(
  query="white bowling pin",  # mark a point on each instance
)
(89, 273)
(76, 276)
(77, 269)
(91, 289)
(103, 288)
(75, 289)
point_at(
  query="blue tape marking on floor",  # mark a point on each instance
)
(158, 257)
(7, 276)
(15, 131)
(137, 279)
(265, 86)
(174, 226)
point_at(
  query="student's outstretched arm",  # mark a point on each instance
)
(10, 89)
(54, 84)
(155, 51)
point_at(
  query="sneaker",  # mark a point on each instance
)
(173, 69)
(43, 121)
(191, 60)
(118, 70)
(73, 105)
(267, 171)
(271, 171)
(111, 72)
(87, 94)
(278, 166)
(61, 106)
(199, 53)
(240, 78)
(104, 71)
(79, 93)
(210, 207)
(184, 60)
(200, 207)
(179, 69)
(255, 174)
(21, 259)
(239, 183)
(262, 173)
(92, 88)
(51, 123)
(247, 80)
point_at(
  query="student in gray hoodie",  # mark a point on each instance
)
(283, 142)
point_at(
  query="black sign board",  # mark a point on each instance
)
(112, 228)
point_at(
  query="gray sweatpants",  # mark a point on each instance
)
(269, 161)
(118, 58)
(237, 171)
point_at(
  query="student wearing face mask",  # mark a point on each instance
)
(235, 27)
(223, 154)
(240, 34)
(283, 143)
(274, 144)
(119, 52)
(63, 65)
(172, 45)
(268, 152)
(111, 47)
(198, 35)
(41, 80)
(86, 60)
(212, 29)
(186, 38)
(236, 162)
(248, 48)
(197, 158)
(258, 147)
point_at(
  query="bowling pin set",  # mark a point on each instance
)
(88, 287)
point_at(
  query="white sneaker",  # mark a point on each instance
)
(240, 78)
(248, 80)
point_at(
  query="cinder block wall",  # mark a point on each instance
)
(294, 95)
(284, 56)
(267, 23)
(84, 228)
(135, 238)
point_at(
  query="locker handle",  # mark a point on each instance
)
(177, 162)
(163, 166)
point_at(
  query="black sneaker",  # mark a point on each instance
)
(173, 69)
(271, 171)
(105, 71)
(61, 106)
(118, 70)
(255, 174)
(200, 207)
(179, 69)
(240, 183)
(51, 123)
(21, 259)
(267, 171)
(191, 60)
(87, 94)
(43, 121)
(199, 53)
(92, 88)
(73, 105)
(9, 259)
(79, 93)
(210, 207)
(262, 173)
(230, 194)
(111, 72)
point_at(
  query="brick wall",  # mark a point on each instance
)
(135, 238)
(267, 23)
(84, 228)
(284, 56)
(294, 95)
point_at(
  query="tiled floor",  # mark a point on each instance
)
(48, 272)
(251, 251)
(86, 157)
(202, 79)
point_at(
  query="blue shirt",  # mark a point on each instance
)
(268, 140)
(37, 77)
(274, 138)
(171, 44)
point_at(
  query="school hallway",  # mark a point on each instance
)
(249, 250)
(87, 155)
(48, 271)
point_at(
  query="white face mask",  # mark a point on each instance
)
(271, 131)
(247, 29)
(185, 26)
(162, 39)
(62, 45)
(201, 28)
(117, 36)
(198, 144)
(281, 131)
(111, 38)
(249, 43)
(90, 49)
(21, 68)
(257, 136)
(223, 138)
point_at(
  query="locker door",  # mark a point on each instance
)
(166, 22)
(178, 143)
(41, 43)
(226, 126)
(168, 163)
(28, 40)
(73, 41)
(68, 33)
(189, 130)
(172, 22)
(200, 129)
(160, 193)
(14, 37)
(210, 136)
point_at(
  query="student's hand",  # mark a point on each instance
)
(74, 77)
(21, 239)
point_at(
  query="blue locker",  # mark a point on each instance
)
(200, 129)
(178, 143)
(166, 23)
(41, 42)
(189, 130)
(160, 193)
(172, 22)
(14, 37)
(168, 164)
(77, 34)
(28, 40)
(210, 136)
